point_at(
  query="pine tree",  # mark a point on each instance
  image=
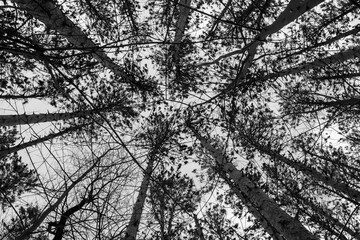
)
(16, 177)
(268, 88)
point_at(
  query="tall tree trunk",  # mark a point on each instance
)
(336, 58)
(340, 187)
(184, 10)
(315, 210)
(38, 140)
(333, 225)
(23, 96)
(134, 222)
(198, 228)
(353, 31)
(269, 228)
(268, 212)
(293, 10)
(51, 15)
(22, 119)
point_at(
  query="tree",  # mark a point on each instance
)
(16, 177)
(273, 219)
(172, 199)
(25, 218)
(268, 88)
(157, 136)
(19, 147)
(52, 16)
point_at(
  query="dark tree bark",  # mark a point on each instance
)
(23, 119)
(60, 226)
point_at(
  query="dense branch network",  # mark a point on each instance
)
(180, 119)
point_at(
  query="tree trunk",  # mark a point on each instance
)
(198, 227)
(23, 119)
(340, 187)
(333, 222)
(336, 58)
(38, 140)
(134, 222)
(60, 226)
(318, 214)
(23, 96)
(351, 32)
(293, 10)
(270, 229)
(184, 10)
(253, 197)
(51, 15)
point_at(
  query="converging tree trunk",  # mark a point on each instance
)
(332, 224)
(52, 16)
(353, 194)
(292, 11)
(23, 119)
(351, 32)
(321, 62)
(198, 227)
(184, 10)
(268, 212)
(38, 140)
(134, 222)
(156, 136)
(261, 94)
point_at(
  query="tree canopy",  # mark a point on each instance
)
(180, 119)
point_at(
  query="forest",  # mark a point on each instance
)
(179, 119)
